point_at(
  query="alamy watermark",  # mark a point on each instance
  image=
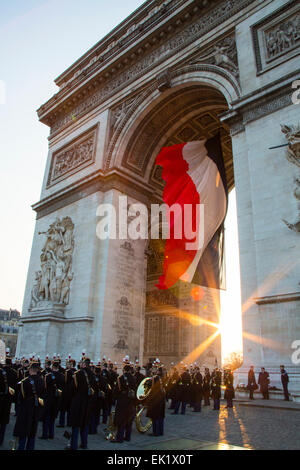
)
(296, 94)
(134, 222)
(295, 358)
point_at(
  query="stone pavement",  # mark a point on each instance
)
(247, 426)
(278, 404)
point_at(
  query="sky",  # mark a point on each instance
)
(39, 39)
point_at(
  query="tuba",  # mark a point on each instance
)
(143, 392)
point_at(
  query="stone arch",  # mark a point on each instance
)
(177, 81)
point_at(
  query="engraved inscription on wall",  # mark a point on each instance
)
(124, 315)
(74, 156)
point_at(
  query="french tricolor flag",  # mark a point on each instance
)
(194, 173)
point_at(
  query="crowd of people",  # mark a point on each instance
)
(81, 395)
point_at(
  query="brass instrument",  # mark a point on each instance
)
(143, 391)
(111, 428)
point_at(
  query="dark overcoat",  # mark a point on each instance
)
(197, 388)
(229, 390)
(67, 391)
(125, 405)
(263, 381)
(54, 384)
(82, 401)
(30, 389)
(156, 403)
(8, 378)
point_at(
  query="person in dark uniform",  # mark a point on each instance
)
(81, 405)
(183, 392)
(197, 382)
(107, 404)
(54, 384)
(47, 369)
(8, 385)
(110, 399)
(264, 381)
(66, 397)
(206, 387)
(148, 368)
(138, 376)
(156, 405)
(252, 385)
(31, 391)
(216, 381)
(172, 387)
(284, 381)
(125, 405)
(229, 388)
(98, 400)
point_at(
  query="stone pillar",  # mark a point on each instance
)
(120, 289)
(269, 250)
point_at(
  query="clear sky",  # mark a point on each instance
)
(39, 39)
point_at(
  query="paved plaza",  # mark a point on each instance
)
(247, 425)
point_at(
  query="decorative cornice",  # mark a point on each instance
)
(96, 182)
(259, 103)
(178, 33)
(53, 318)
(129, 31)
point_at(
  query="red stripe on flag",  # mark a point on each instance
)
(179, 189)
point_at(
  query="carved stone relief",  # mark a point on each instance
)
(52, 281)
(73, 157)
(292, 134)
(277, 37)
(223, 54)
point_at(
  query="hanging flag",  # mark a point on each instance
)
(195, 178)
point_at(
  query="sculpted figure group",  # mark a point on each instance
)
(52, 281)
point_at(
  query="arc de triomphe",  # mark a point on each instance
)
(172, 72)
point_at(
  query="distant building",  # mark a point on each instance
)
(9, 320)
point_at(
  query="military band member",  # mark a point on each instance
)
(197, 381)
(54, 384)
(112, 380)
(47, 368)
(8, 385)
(81, 405)
(229, 388)
(67, 391)
(182, 392)
(138, 376)
(216, 381)
(31, 391)
(156, 404)
(206, 387)
(99, 400)
(125, 405)
(173, 379)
